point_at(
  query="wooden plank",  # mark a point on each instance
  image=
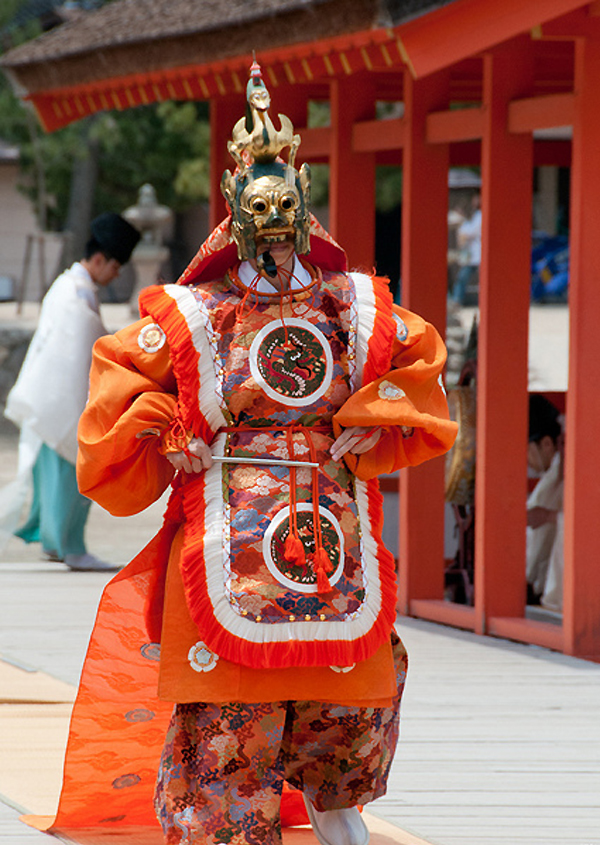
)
(455, 125)
(541, 112)
(18, 686)
(496, 744)
(33, 738)
(381, 833)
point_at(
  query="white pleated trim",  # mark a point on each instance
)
(365, 322)
(216, 555)
(192, 312)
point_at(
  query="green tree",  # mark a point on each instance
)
(99, 163)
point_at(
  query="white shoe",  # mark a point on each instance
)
(89, 563)
(337, 827)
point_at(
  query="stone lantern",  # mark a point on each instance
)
(151, 219)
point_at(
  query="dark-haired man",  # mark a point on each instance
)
(545, 504)
(51, 391)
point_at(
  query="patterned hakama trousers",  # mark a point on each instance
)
(223, 765)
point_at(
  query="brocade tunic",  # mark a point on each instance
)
(271, 378)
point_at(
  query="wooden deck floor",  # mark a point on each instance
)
(500, 743)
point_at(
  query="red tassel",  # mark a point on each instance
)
(322, 564)
(294, 550)
(323, 585)
(322, 560)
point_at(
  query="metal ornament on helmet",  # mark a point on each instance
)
(267, 196)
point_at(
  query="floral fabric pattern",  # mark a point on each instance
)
(259, 518)
(283, 370)
(223, 765)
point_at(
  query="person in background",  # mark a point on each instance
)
(51, 391)
(545, 504)
(468, 238)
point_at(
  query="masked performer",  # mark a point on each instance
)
(276, 386)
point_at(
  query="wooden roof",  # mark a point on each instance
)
(142, 36)
(139, 21)
(133, 52)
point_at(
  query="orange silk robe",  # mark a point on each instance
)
(139, 386)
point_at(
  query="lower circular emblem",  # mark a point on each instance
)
(301, 577)
(201, 659)
(291, 361)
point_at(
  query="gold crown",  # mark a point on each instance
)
(254, 136)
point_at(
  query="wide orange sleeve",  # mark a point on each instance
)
(409, 402)
(131, 405)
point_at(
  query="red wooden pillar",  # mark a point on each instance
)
(581, 608)
(424, 290)
(352, 175)
(224, 114)
(502, 410)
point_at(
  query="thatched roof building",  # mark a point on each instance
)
(133, 37)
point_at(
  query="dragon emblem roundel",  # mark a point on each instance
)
(291, 361)
(300, 577)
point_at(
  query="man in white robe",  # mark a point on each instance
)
(51, 392)
(545, 505)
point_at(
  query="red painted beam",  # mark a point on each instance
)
(552, 153)
(444, 127)
(544, 634)
(578, 24)
(365, 52)
(370, 136)
(444, 612)
(223, 116)
(467, 154)
(541, 112)
(466, 27)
